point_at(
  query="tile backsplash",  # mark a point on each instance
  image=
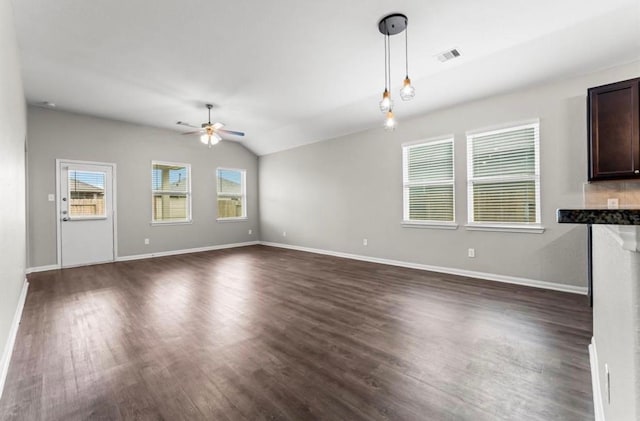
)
(597, 194)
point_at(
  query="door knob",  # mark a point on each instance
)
(637, 171)
(65, 219)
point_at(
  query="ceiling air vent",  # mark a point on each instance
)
(448, 55)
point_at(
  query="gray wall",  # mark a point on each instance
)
(616, 323)
(330, 195)
(55, 134)
(12, 175)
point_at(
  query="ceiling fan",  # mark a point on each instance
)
(209, 132)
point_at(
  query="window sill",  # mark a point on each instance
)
(241, 219)
(528, 229)
(430, 225)
(159, 223)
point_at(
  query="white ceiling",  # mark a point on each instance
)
(291, 72)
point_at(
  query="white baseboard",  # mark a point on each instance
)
(42, 268)
(185, 251)
(451, 271)
(11, 340)
(157, 254)
(598, 408)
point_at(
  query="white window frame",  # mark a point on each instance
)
(523, 227)
(188, 219)
(409, 223)
(243, 186)
(87, 217)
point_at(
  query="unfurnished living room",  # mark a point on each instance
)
(335, 210)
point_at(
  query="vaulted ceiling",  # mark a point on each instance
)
(291, 72)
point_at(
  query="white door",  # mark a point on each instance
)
(86, 213)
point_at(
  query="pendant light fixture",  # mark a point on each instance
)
(407, 92)
(391, 25)
(386, 104)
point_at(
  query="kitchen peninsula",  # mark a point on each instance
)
(615, 348)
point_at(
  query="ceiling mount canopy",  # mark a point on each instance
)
(389, 25)
(392, 24)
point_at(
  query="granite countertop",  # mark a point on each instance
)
(599, 216)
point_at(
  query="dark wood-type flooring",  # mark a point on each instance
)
(261, 333)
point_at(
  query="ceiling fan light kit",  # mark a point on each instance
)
(209, 132)
(389, 25)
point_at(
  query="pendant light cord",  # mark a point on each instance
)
(386, 60)
(406, 47)
(389, 62)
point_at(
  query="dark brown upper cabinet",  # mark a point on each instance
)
(614, 131)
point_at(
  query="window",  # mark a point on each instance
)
(171, 192)
(86, 194)
(231, 194)
(428, 180)
(504, 177)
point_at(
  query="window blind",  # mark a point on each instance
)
(428, 182)
(504, 179)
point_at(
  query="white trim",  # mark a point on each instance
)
(502, 127)
(187, 194)
(243, 194)
(438, 139)
(236, 219)
(451, 271)
(528, 229)
(11, 340)
(185, 251)
(151, 255)
(535, 177)
(598, 408)
(406, 184)
(160, 223)
(42, 268)
(114, 207)
(430, 225)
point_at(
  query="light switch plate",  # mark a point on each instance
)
(51, 197)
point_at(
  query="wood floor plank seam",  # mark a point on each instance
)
(266, 333)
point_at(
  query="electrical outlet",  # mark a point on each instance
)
(471, 253)
(365, 242)
(612, 203)
(250, 232)
(284, 233)
(146, 241)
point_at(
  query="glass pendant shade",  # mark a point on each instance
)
(390, 121)
(408, 91)
(210, 139)
(386, 104)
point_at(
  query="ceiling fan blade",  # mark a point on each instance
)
(217, 126)
(230, 132)
(194, 132)
(184, 123)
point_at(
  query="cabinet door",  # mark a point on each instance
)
(614, 123)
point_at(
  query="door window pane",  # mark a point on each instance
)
(86, 194)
